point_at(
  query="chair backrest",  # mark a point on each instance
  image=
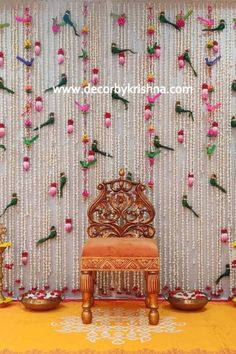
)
(121, 210)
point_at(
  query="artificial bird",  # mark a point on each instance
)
(220, 27)
(188, 60)
(185, 204)
(3, 147)
(95, 149)
(163, 19)
(152, 154)
(212, 62)
(115, 96)
(116, 50)
(67, 20)
(225, 274)
(62, 82)
(63, 180)
(28, 142)
(158, 145)
(52, 234)
(13, 202)
(213, 183)
(179, 110)
(50, 121)
(233, 122)
(2, 87)
(84, 54)
(25, 61)
(129, 176)
(233, 86)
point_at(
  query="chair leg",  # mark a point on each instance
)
(147, 300)
(152, 285)
(86, 285)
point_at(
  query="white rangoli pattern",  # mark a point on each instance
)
(118, 325)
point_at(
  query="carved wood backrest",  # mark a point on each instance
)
(121, 210)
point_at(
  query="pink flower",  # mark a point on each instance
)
(121, 20)
(85, 193)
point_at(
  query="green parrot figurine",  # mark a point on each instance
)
(115, 96)
(158, 145)
(163, 19)
(211, 148)
(225, 274)
(2, 87)
(13, 202)
(87, 164)
(185, 204)
(233, 122)
(63, 180)
(233, 86)
(84, 54)
(67, 21)
(116, 50)
(3, 147)
(213, 182)
(220, 27)
(53, 234)
(179, 110)
(62, 82)
(188, 60)
(50, 121)
(129, 177)
(28, 142)
(95, 149)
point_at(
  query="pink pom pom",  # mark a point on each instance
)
(70, 126)
(2, 130)
(121, 58)
(215, 48)
(157, 52)
(205, 94)
(37, 48)
(1, 59)
(38, 104)
(150, 183)
(215, 129)
(91, 156)
(85, 193)
(224, 236)
(210, 132)
(181, 61)
(26, 163)
(148, 113)
(60, 56)
(53, 189)
(190, 180)
(181, 136)
(68, 225)
(24, 257)
(28, 122)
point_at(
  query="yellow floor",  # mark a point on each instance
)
(118, 327)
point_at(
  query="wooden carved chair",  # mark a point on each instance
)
(120, 239)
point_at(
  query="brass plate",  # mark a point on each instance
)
(41, 304)
(187, 305)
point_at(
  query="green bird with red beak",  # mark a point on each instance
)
(13, 202)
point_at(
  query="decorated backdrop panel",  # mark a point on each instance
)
(46, 49)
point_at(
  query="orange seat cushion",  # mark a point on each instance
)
(120, 247)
